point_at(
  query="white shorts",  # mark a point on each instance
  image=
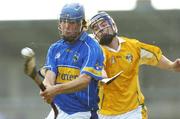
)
(63, 115)
(134, 114)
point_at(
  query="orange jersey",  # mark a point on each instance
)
(124, 94)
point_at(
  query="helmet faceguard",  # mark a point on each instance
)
(71, 22)
(103, 16)
(103, 27)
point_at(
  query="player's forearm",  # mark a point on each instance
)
(47, 83)
(49, 78)
(165, 63)
(73, 86)
(104, 74)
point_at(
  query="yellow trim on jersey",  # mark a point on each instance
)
(97, 73)
(124, 94)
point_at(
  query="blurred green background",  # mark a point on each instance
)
(19, 96)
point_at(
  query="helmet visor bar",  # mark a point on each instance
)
(99, 26)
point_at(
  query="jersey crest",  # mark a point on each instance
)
(76, 57)
(129, 57)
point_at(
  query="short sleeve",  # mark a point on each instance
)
(50, 62)
(149, 54)
(93, 62)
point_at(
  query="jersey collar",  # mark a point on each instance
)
(83, 36)
(121, 40)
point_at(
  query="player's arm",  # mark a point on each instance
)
(73, 86)
(49, 79)
(104, 74)
(165, 63)
(152, 55)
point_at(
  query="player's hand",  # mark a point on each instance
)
(176, 65)
(48, 94)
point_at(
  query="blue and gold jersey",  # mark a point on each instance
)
(68, 61)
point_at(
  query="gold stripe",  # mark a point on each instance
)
(93, 71)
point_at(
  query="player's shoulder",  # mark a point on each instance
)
(130, 40)
(92, 42)
(56, 44)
